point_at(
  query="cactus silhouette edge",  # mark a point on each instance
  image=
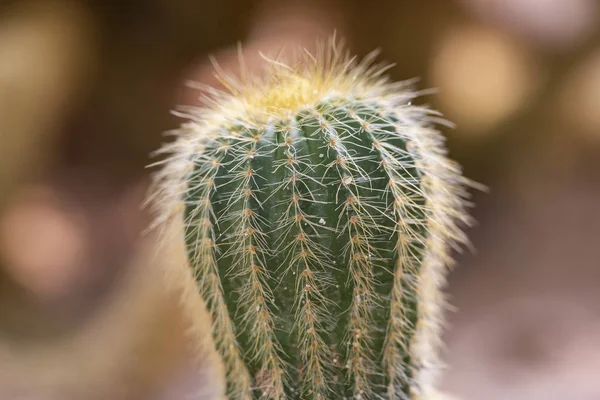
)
(319, 210)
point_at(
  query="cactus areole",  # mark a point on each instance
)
(318, 210)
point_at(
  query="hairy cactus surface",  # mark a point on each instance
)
(318, 209)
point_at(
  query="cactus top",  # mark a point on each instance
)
(319, 209)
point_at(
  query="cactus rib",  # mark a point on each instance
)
(202, 255)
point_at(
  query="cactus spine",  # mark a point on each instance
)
(319, 208)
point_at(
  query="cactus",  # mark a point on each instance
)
(319, 209)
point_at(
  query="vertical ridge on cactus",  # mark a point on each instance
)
(319, 211)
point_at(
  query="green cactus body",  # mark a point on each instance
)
(318, 208)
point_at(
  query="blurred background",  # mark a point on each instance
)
(86, 89)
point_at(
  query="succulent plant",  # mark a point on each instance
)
(319, 209)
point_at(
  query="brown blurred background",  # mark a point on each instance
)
(85, 93)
